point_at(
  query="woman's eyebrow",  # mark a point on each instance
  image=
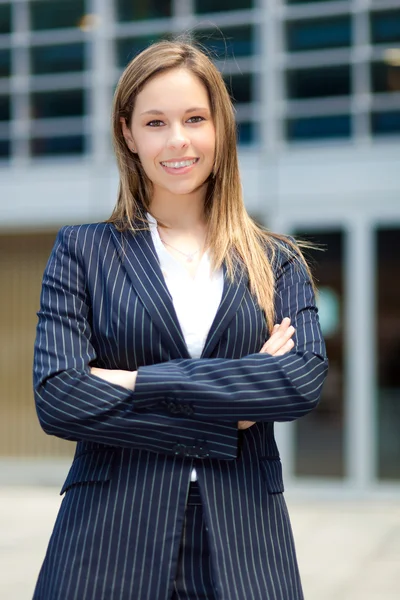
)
(154, 111)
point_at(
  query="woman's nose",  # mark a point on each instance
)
(178, 139)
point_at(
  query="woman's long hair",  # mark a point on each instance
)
(233, 236)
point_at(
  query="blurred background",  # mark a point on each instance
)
(317, 92)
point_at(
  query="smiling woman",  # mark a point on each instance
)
(170, 338)
(175, 137)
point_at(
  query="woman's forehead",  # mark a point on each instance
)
(177, 89)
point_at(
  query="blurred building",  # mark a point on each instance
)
(317, 92)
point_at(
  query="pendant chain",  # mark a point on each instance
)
(189, 255)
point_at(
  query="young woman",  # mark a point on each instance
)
(157, 352)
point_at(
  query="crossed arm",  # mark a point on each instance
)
(279, 343)
(279, 383)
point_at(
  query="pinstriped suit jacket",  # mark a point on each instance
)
(104, 303)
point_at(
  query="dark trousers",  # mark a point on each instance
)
(193, 579)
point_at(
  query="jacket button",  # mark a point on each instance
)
(180, 450)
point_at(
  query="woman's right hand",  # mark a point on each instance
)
(279, 343)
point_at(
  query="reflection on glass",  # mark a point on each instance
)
(5, 148)
(5, 108)
(315, 34)
(5, 18)
(246, 133)
(128, 48)
(385, 77)
(57, 145)
(319, 435)
(62, 58)
(318, 82)
(385, 26)
(227, 43)
(50, 105)
(131, 10)
(240, 87)
(209, 6)
(388, 352)
(308, 1)
(56, 14)
(315, 128)
(385, 123)
(5, 62)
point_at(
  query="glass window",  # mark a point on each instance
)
(319, 436)
(62, 58)
(385, 26)
(5, 18)
(385, 123)
(385, 77)
(307, 1)
(50, 105)
(314, 128)
(314, 34)
(209, 6)
(130, 10)
(56, 14)
(388, 352)
(5, 108)
(5, 149)
(5, 62)
(232, 42)
(128, 48)
(57, 145)
(240, 87)
(318, 82)
(246, 133)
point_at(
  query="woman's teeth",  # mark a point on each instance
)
(180, 164)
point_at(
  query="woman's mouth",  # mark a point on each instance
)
(178, 167)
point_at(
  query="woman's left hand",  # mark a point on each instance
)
(279, 343)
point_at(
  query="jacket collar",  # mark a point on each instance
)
(140, 260)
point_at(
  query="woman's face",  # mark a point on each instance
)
(173, 133)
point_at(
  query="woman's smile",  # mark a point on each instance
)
(179, 167)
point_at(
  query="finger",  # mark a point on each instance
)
(285, 348)
(277, 340)
(284, 323)
(245, 424)
(274, 330)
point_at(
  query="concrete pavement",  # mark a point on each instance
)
(347, 550)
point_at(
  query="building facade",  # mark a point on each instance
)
(317, 92)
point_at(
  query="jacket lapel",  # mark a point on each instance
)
(232, 296)
(140, 260)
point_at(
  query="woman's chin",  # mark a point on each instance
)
(185, 189)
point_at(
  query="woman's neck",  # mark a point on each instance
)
(180, 213)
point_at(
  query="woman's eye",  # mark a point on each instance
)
(155, 123)
(196, 119)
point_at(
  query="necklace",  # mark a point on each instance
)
(189, 255)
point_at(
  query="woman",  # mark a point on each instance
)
(156, 351)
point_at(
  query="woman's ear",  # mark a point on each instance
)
(127, 135)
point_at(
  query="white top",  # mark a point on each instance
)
(195, 300)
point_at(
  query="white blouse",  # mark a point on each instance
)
(195, 300)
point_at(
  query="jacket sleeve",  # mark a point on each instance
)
(257, 387)
(73, 404)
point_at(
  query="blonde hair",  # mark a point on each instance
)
(233, 236)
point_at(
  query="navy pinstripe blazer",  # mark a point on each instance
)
(104, 303)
